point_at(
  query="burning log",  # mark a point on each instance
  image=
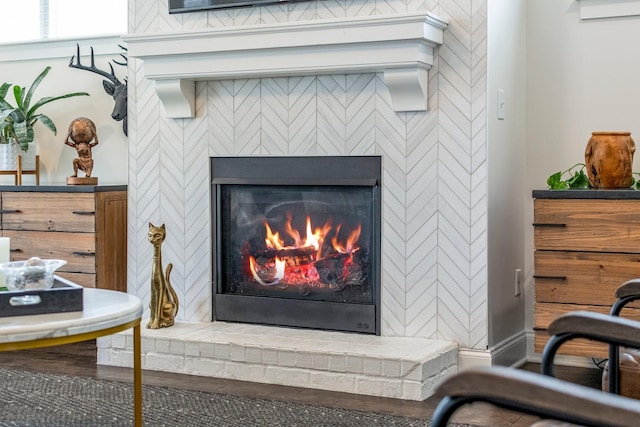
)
(293, 256)
(332, 269)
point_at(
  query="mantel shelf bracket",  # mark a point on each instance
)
(399, 46)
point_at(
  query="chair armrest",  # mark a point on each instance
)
(629, 288)
(534, 394)
(599, 327)
(615, 331)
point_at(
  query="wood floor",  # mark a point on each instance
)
(79, 359)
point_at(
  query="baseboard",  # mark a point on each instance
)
(510, 352)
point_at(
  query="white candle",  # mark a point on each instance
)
(4, 257)
(4, 249)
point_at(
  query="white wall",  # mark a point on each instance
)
(582, 76)
(110, 156)
(506, 71)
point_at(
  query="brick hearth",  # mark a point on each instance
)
(397, 367)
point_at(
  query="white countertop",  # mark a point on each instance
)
(103, 309)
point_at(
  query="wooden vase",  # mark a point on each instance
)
(609, 159)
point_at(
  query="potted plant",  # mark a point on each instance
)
(16, 122)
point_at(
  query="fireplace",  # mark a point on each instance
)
(296, 241)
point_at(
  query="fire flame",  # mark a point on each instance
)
(276, 271)
(350, 245)
(287, 262)
(313, 238)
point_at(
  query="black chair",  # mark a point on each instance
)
(541, 394)
(535, 394)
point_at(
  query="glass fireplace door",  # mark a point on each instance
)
(298, 251)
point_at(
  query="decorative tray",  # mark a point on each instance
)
(63, 296)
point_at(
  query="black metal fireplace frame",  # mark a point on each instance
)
(364, 171)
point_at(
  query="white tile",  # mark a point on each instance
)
(191, 349)
(286, 358)
(177, 347)
(269, 356)
(164, 362)
(244, 372)
(378, 387)
(320, 361)
(206, 349)
(253, 354)
(204, 367)
(104, 342)
(338, 362)
(391, 368)
(237, 353)
(372, 367)
(332, 381)
(118, 341)
(354, 364)
(148, 345)
(304, 359)
(103, 357)
(222, 351)
(287, 376)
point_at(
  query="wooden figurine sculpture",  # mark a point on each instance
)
(83, 137)
(164, 301)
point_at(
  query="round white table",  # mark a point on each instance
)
(104, 312)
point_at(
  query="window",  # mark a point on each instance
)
(48, 19)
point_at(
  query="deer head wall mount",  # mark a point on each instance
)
(113, 86)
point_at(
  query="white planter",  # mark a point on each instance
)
(9, 156)
(28, 157)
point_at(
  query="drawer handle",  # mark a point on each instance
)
(82, 253)
(24, 300)
(550, 277)
(15, 250)
(83, 212)
(10, 211)
(548, 224)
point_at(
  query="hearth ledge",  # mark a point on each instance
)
(397, 367)
(401, 46)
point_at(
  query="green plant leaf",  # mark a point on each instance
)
(18, 95)
(49, 99)
(19, 123)
(34, 86)
(23, 134)
(555, 181)
(579, 180)
(4, 89)
(575, 180)
(45, 120)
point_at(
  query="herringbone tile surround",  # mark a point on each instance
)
(434, 244)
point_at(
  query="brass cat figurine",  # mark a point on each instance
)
(164, 301)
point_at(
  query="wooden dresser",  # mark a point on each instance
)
(84, 225)
(587, 243)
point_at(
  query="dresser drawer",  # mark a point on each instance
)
(545, 313)
(73, 212)
(582, 277)
(587, 225)
(78, 249)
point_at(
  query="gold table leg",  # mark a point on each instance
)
(137, 377)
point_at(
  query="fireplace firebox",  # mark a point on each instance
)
(296, 241)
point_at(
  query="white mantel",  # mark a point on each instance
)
(401, 46)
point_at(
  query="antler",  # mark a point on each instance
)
(126, 60)
(112, 77)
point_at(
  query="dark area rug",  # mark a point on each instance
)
(40, 399)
